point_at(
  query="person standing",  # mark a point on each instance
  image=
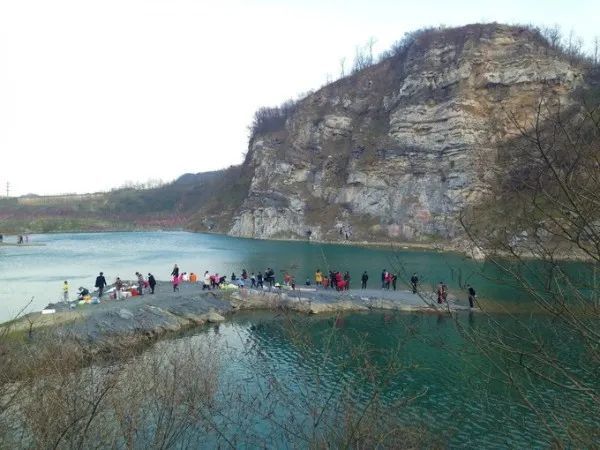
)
(65, 291)
(140, 280)
(383, 278)
(472, 295)
(364, 279)
(151, 282)
(347, 280)
(444, 292)
(394, 279)
(176, 282)
(118, 288)
(259, 280)
(414, 281)
(318, 277)
(207, 281)
(175, 271)
(440, 293)
(253, 280)
(100, 283)
(388, 280)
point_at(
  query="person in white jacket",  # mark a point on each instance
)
(206, 282)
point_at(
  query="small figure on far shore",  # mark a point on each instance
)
(175, 272)
(383, 278)
(20, 239)
(100, 283)
(414, 281)
(364, 278)
(151, 282)
(472, 295)
(65, 291)
(252, 280)
(307, 282)
(394, 278)
(444, 292)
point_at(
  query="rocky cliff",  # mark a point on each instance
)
(397, 150)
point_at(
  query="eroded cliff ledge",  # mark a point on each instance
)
(396, 151)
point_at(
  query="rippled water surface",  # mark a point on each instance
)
(285, 365)
(446, 386)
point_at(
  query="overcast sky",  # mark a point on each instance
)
(94, 94)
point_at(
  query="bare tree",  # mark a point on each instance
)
(554, 35)
(549, 179)
(370, 44)
(342, 67)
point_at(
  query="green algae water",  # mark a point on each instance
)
(38, 272)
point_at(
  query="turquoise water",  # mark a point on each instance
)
(444, 385)
(38, 272)
(277, 369)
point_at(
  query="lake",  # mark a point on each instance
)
(445, 386)
(38, 272)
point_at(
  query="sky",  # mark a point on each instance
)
(98, 94)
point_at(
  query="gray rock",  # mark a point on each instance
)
(125, 314)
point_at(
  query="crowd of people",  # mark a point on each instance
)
(332, 279)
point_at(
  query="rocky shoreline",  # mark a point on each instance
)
(112, 322)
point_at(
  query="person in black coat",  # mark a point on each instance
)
(414, 281)
(175, 272)
(100, 283)
(364, 279)
(151, 282)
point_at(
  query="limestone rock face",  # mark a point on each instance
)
(395, 151)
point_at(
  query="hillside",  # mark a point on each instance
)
(393, 152)
(396, 151)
